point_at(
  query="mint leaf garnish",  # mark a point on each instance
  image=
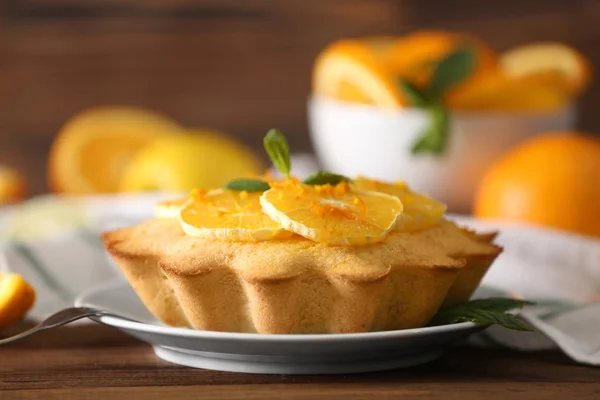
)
(247, 185)
(484, 311)
(278, 150)
(451, 70)
(324, 178)
(415, 95)
(435, 137)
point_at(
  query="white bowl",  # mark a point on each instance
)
(355, 139)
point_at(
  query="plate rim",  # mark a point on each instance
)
(122, 323)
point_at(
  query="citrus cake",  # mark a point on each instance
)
(325, 255)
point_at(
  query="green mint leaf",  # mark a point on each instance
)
(278, 150)
(499, 304)
(324, 178)
(415, 95)
(247, 185)
(434, 138)
(451, 70)
(484, 311)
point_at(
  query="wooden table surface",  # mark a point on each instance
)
(98, 362)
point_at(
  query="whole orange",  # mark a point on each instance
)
(552, 179)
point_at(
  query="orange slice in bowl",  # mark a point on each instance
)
(498, 92)
(91, 151)
(230, 216)
(548, 58)
(350, 70)
(420, 211)
(16, 298)
(330, 214)
(414, 56)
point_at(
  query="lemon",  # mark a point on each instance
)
(199, 159)
(332, 214)
(230, 216)
(420, 211)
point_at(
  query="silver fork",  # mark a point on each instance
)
(61, 318)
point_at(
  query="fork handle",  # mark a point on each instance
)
(57, 319)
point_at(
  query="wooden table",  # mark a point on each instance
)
(97, 362)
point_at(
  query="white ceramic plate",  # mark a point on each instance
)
(274, 354)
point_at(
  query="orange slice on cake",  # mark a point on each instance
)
(420, 211)
(333, 214)
(169, 208)
(228, 215)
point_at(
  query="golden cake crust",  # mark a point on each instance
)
(296, 285)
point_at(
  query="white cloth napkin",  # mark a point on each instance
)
(60, 253)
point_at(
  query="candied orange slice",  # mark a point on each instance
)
(330, 214)
(350, 70)
(228, 215)
(16, 298)
(168, 208)
(420, 211)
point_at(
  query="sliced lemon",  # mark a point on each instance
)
(350, 70)
(168, 208)
(420, 211)
(546, 57)
(230, 216)
(332, 214)
(16, 298)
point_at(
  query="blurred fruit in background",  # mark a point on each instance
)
(13, 186)
(552, 180)
(349, 70)
(494, 91)
(555, 64)
(92, 150)
(197, 159)
(115, 148)
(16, 298)
(533, 78)
(414, 56)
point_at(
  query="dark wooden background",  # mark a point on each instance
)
(239, 65)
